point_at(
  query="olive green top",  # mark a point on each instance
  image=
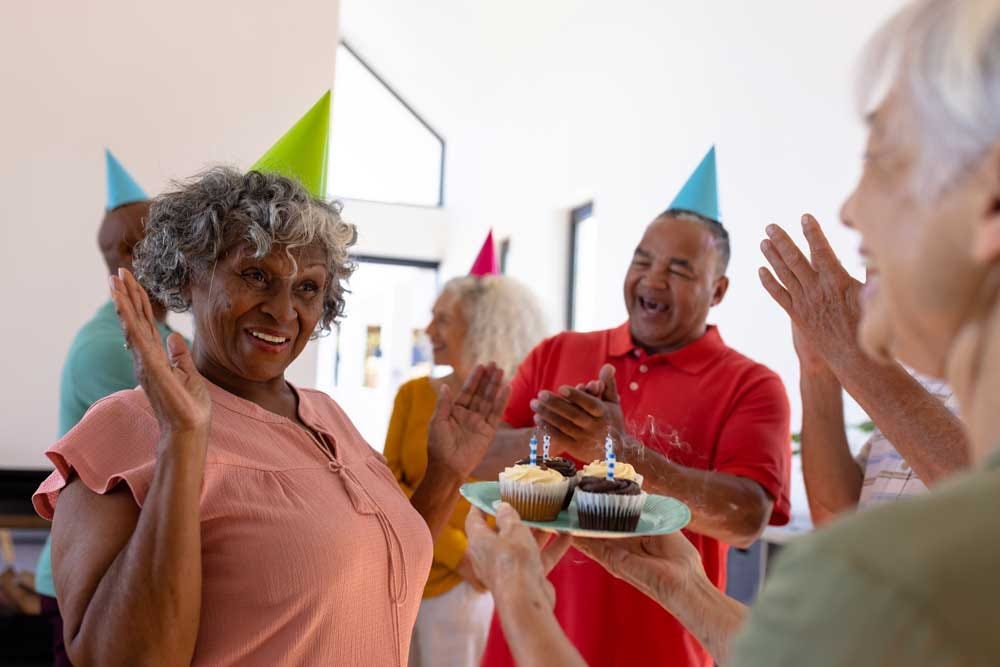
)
(916, 582)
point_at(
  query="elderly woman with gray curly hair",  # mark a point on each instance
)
(219, 515)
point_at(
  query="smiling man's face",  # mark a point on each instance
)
(674, 279)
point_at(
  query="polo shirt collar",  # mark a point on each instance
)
(692, 358)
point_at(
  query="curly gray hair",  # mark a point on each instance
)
(504, 320)
(192, 226)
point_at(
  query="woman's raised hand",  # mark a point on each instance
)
(175, 389)
(463, 427)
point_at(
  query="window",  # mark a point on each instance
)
(380, 343)
(380, 149)
(581, 304)
(504, 254)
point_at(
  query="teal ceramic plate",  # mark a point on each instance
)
(660, 516)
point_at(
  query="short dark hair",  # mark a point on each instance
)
(719, 234)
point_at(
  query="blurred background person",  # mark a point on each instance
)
(98, 364)
(477, 319)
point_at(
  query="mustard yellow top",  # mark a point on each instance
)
(406, 453)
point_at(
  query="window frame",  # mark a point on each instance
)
(576, 216)
(413, 112)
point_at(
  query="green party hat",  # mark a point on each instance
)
(301, 153)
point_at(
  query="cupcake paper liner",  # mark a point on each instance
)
(605, 511)
(569, 491)
(534, 502)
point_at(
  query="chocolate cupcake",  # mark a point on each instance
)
(536, 492)
(564, 467)
(609, 504)
(599, 469)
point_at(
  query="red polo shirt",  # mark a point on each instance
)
(704, 406)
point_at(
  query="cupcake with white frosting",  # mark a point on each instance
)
(535, 491)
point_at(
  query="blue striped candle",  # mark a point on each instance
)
(533, 444)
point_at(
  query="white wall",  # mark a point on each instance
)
(170, 87)
(545, 105)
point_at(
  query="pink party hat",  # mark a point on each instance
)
(486, 263)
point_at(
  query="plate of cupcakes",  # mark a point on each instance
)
(605, 499)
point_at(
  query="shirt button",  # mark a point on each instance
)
(634, 386)
(643, 368)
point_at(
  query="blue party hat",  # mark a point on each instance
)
(122, 188)
(701, 192)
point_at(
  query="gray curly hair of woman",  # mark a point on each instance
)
(505, 320)
(202, 218)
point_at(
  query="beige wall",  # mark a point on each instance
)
(170, 87)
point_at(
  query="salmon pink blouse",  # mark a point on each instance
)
(308, 557)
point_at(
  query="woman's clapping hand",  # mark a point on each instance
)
(175, 389)
(463, 427)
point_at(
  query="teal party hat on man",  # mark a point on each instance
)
(701, 192)
(122, 188)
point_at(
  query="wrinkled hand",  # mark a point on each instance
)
(579, 418)
(820, 297)
(175, 389)
(810, 361)
(511, 557)
(468, 574)
(462, 428)
(660, 566)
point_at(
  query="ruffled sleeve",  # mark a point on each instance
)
(115, 442)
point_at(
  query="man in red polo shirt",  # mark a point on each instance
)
(713, 427)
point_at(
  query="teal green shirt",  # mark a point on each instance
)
(97, 365)
(916, 582)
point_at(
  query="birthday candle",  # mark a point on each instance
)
(609, 444)
(533, 444)
(546, 442)
(611, 464)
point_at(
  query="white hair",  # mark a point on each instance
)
(504, 320)
(943, 58)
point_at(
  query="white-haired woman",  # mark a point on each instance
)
(474, 320)
(916, 582)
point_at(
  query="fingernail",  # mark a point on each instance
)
(111, 283)
(534, 404)
(805, 220)
(121, 273)
(770, 230)
(564, 391)
(764, 245)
